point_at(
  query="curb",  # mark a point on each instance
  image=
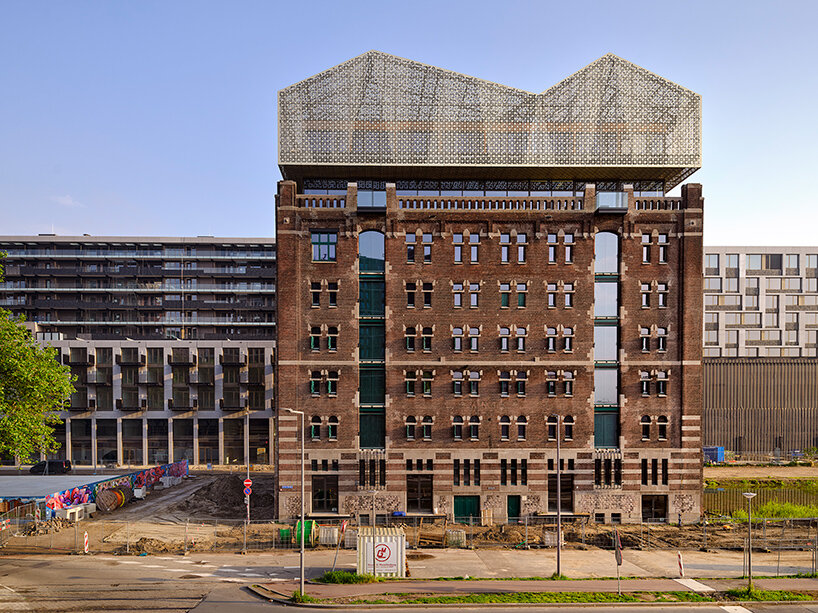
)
(282, 599)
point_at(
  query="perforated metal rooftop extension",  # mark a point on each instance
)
(612, 119)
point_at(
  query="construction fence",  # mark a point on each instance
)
(24, 532)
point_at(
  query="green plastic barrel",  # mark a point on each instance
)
(284, 534)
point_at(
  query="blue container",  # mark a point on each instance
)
(398, 514)
(713, 454)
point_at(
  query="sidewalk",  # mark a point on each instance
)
(591, 564)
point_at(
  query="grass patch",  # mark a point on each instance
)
(558, 577)
(300, 598)
(764, 595)
(678, 597)
(503, 598)
(345, 576)
(778, 510)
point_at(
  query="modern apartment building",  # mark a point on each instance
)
(761, 301)
(485, 291)
(171, 341)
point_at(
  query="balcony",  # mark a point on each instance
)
(131, 359)
(186, 359)
(233, 360)
(196, 378)
(79, 359)
(182, 404)
(233, 404)
(131, 404)
(612, 202)
(95, 377)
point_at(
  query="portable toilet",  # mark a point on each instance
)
(381, 551)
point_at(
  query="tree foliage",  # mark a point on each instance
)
(33, 387)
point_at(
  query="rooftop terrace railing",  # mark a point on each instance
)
(488, 203)
(658, 204)
(320, 201)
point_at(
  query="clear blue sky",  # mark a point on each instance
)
(159, 118)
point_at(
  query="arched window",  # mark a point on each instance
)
(427, 427)
(315, 428)
(522, 421)
(474, 427)
(505, 425)
(552, 428)
(457, 428)
(411, 422)
(371, 249)
(332, 431)
(569, 427)
(662, 428)
(606, 253)
(645, 423)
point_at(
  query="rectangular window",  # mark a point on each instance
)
(664, 471)
(711, 260)
(411, 239)
(663, 247)
(323, 246)
(426, 382)
(505, 295)
(522, 289)
(644, 471)
(457, 294)
(568, 239)
(505, 245)
(427, 295)
(474, 241)
(654, 471)
(521, 244)
(315, 289)
(427, 248)
(457, 240)
(646, 248)
(332, 291)
(411, 288)
(552, 248)
(474, 295)
(503, 472)
(456, 472)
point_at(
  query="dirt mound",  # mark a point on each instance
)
(223, 498)
(151, 546)
(48, 526)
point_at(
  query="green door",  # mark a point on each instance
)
(513, 507)
(466, 509)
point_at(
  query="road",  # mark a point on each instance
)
(202, 583)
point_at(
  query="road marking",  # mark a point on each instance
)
(229, 570)
(8, 605)
(153, 566)
(734, 608)
(695, 585)
(130, 562)
(290, 567)
(178, 570)
(250, 575)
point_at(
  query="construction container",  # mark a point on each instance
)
(713, 454)
(381, 551)
(455, 538)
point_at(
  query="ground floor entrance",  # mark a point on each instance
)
(466, 509)
(654, 507)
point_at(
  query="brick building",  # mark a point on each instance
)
(470, 274)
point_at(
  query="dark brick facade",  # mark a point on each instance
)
(528, 461)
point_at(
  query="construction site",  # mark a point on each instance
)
(207, 512)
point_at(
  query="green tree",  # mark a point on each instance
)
(33, 387)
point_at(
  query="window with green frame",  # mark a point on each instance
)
(372, 427)
(372, 298)
(372, 338)
(372, 384)
(323, 246)
(606, 429)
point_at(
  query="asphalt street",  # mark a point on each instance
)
(204, 583)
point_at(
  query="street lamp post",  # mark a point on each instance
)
(303, 526)
(749, 496)
(559, 499)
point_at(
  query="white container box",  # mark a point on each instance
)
(381, 551)
(350, 538)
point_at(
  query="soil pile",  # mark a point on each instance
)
(46, 527)
(223, 498)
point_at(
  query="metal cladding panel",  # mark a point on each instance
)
(378, 109)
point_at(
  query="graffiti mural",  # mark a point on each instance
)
(88, 493)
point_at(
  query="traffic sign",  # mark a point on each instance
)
(248, 483)
(247, 491)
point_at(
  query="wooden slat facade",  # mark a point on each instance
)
(760, 405)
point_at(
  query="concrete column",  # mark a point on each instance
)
(68, 454)
(170, 440)
(196, 441)
(94, 442)
(120, 459)
(221, 440)
(144, 441)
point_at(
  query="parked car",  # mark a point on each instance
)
(51, 467)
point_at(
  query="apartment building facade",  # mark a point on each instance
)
(486, 290)
(761, 302)
(171, 341)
